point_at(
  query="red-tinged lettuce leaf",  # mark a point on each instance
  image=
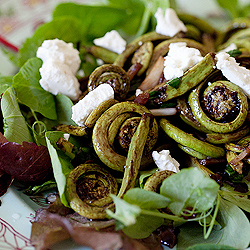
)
(5, 182)
(27, 162)
(57, 222)
(5, 179)
(2, 138)
(46, 233)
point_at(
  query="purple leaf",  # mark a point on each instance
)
(27, 162)
(5, 182)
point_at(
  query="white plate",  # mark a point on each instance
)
(16, 210)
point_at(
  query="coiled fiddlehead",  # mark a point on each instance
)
(113, 75)
(100, 137)
(225, 106)
(88, 190)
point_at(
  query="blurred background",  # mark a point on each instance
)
(19, 18)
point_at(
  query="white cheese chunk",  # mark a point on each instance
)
(61, 51)
(233, 71)
(138, 92)
(82, 109)
(232, 46)
(164, 161)
(168, 24)
(111, 41)
(179, 59)
(66, 136)
(57, 78)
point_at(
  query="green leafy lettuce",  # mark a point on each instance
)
(232, 229)
(234, 8)
(81, 23)
(137, 212)
(188, 188)
(197, 191)
(15, 126)
(60, 163)
(29, 91)
(68, 29)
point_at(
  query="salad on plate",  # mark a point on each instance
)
(131, 120)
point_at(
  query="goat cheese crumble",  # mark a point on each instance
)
(138, 92)
(82, 109)
(168, 24)
(179, 59)
(164, 161)
(233, 71)
(60, 64)
(111, 41)
(57, 78)
(232, 46)
(60, 51)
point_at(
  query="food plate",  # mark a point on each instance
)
(17, 21)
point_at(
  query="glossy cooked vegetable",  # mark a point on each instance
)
(106, 167)
(206, 103)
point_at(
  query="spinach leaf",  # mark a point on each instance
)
(143, 227)
(6, 80)
(230, 6)
(146, 199)
(60, 163)
(15, 127)
(64, 110)
(12, 55)
(233, 229)
(96, 20)
(191, 233)
(68, 29)
(144, 176)
(137, 212)
(148, 7)
(125, 213)
(155, 4)
(210, 246)
(234, 8)
(239, 199)
(64, 113)
(235, 226)
(5, 83)
(3, 88)
(189, 188)
(43, 124)
(245, 10)
(29, 91)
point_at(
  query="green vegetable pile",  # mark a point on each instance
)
(107, 184)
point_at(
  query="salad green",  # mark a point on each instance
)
(15, 127)
(204, 210)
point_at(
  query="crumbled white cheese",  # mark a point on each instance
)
(111, 41)
(168, 24)
(233, 71)
(57, 78)
(60, 51)
(60, 64)
(138, 92)
(232, 46)
(179, 59)
(66, 136)
(82, 109)
(164, 161)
